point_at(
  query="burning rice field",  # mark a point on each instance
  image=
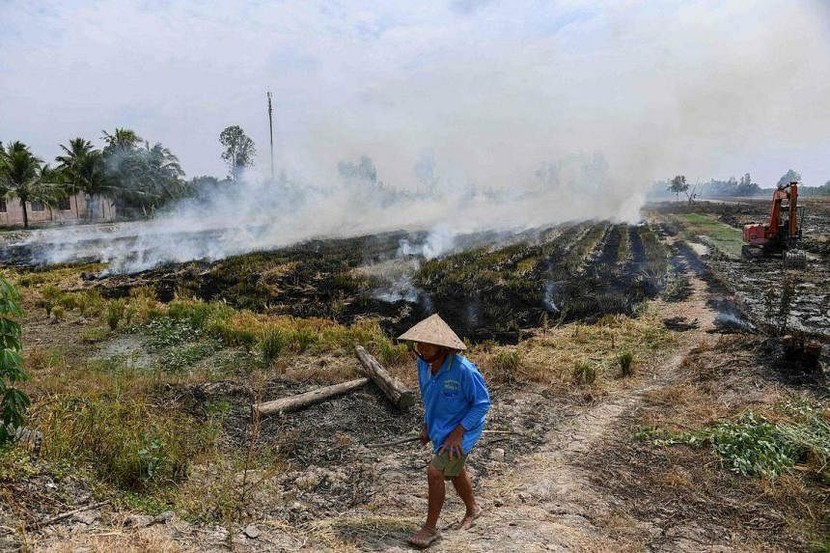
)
(143, 382)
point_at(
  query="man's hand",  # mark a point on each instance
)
(424, 437)
(453, 443)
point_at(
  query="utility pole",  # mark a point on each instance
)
(271, 129)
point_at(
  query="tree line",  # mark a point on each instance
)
(138, 179)
(732, 187)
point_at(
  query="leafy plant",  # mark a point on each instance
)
(753, 445)
(13, 402)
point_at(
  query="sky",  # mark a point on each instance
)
(484, 92)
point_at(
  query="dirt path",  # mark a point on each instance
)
(547, 502)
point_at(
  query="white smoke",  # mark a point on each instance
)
(478, 115)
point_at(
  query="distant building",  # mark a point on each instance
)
(69, 210)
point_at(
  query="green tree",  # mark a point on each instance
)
(147, 178)
(20, 176)
(239, 150)
(120, 142)
(678, 185)
(83, 169)
(13, 402)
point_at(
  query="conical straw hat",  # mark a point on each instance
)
(433, 330)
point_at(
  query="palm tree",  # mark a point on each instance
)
(73, 163)
(20, 175)
(49, 190)
(84, 168)
(121, 141)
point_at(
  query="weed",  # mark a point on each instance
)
(389, 353)
(165, 331)
(303, 337)
(678, 288)
(93, 334)
(271, 345)
(508, 360)
(584, 372)
(625, 361)
(115, 312)
(58, 313)
(129, 442)
(183, 357)
(753, 445)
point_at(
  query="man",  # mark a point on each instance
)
(455, 402)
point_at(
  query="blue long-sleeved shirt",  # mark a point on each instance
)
(455, 395)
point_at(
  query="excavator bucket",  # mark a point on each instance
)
(795, 259)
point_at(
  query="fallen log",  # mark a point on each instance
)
(297, 402)
(391, 386)
(67, 514)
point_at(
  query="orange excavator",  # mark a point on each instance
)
(782, 234)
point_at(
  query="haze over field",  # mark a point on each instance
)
(477, 114)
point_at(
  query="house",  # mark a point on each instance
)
(79, 207)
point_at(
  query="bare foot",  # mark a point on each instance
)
(424, 537)
(469, 519)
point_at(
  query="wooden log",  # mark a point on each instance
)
(391, 386)
(300, 401)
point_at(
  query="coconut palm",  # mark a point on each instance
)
(20, 175)
(122, 141)
(76, 165)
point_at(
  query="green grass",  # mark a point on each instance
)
(725, 238)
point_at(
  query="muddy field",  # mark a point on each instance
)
(773, 296)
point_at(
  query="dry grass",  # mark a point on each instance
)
(551, 357)
(156, 539)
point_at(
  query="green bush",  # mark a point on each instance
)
(13, 402)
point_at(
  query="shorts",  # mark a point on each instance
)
(446, 466)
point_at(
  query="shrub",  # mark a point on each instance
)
(13, 402)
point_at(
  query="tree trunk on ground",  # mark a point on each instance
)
(391, 386)
(295, 403)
